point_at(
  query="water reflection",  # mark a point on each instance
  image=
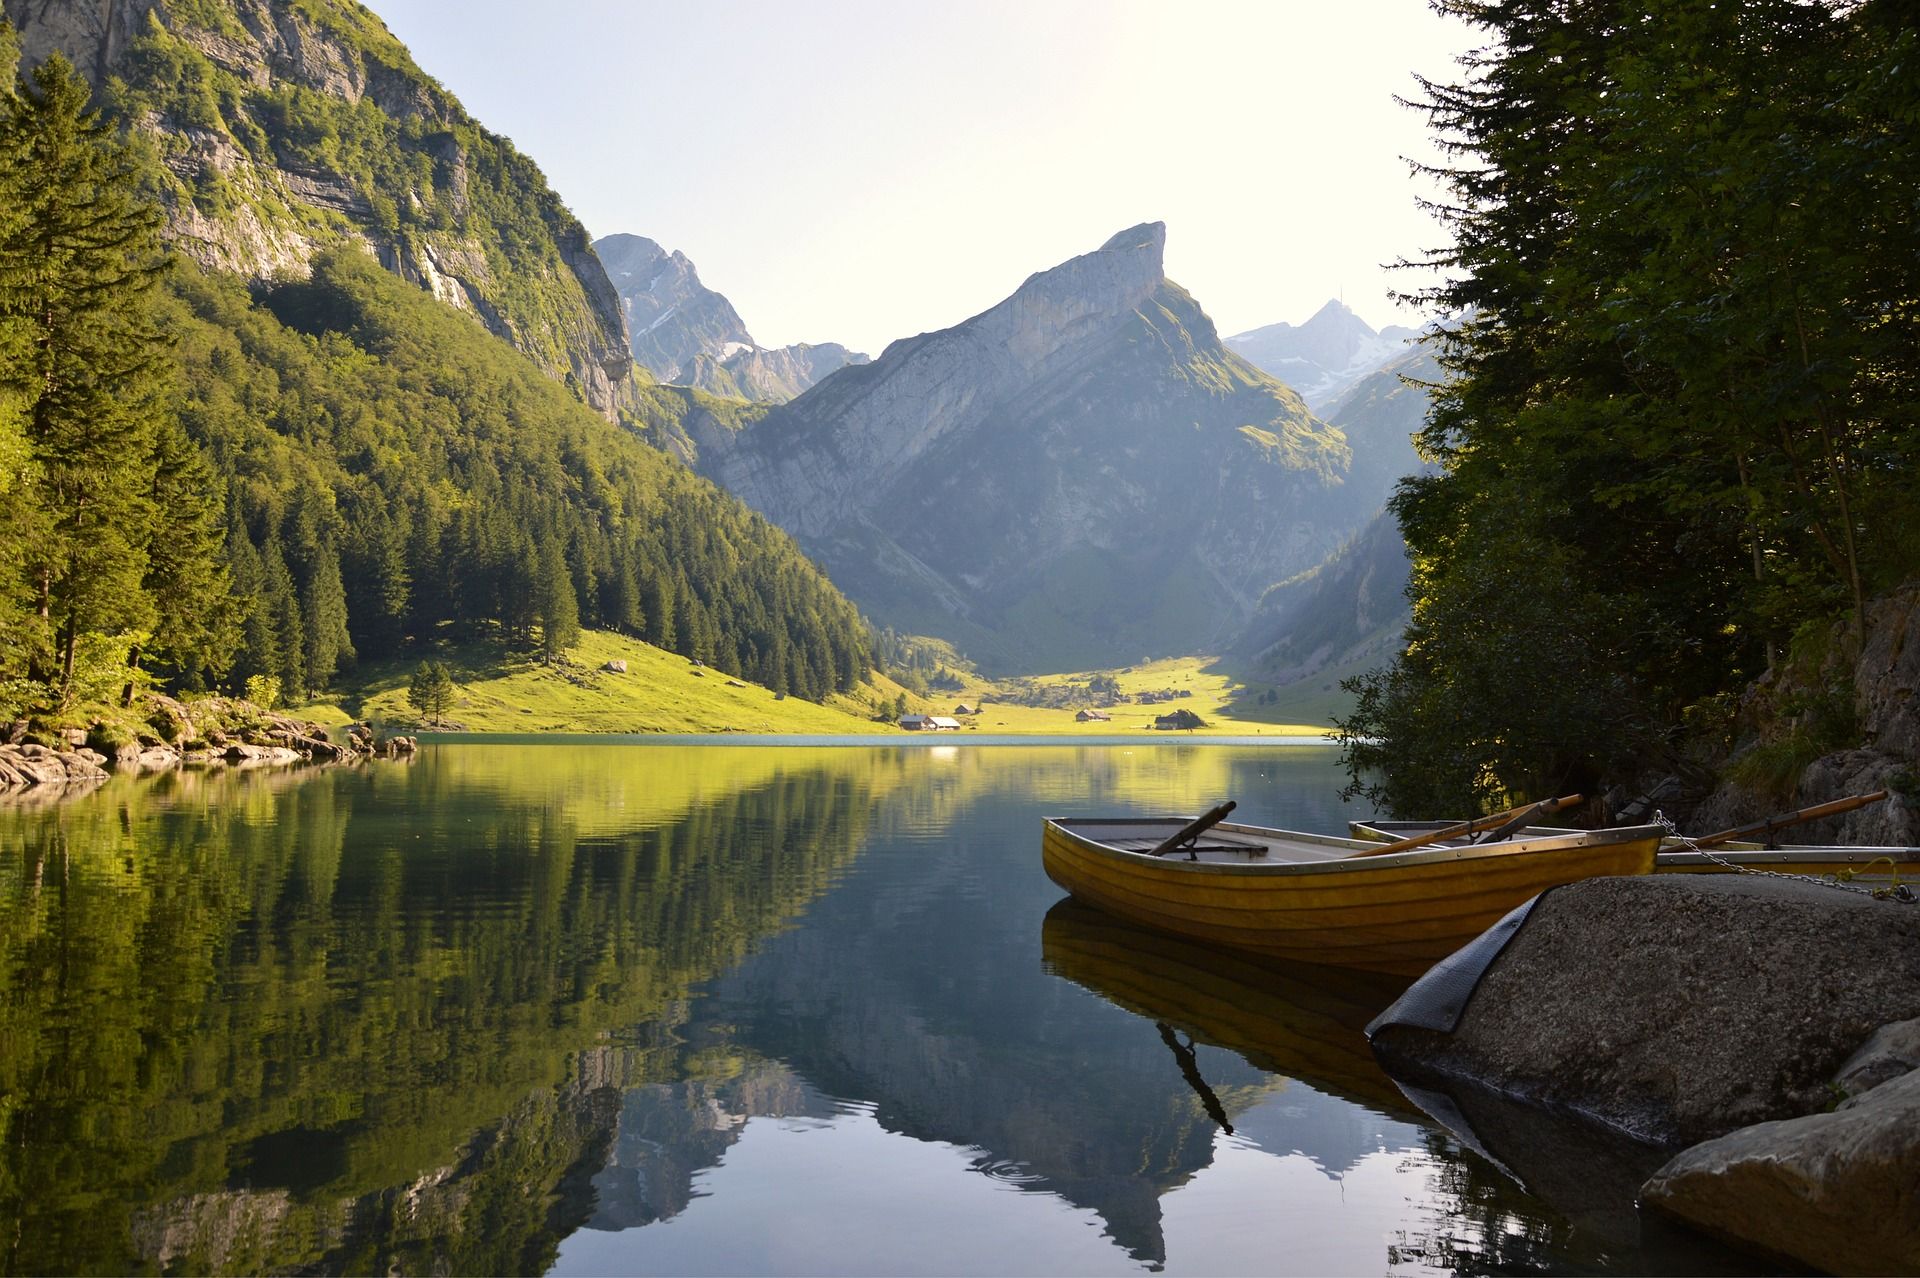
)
(612, 1008)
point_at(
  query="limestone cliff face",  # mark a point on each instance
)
(1082, 475)
(285, 128)
(686, 334)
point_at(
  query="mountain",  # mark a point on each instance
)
(1077, 477)
(686, 333)
(1353, 606)
(282, 129)
(671, 316)
(1324, 357)
(771, 376)
(388, 474)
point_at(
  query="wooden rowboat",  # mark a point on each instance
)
(1868, 863)
(1308, 898)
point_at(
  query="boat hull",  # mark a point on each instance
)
(1397, 913)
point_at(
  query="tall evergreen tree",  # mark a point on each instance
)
(76, 285)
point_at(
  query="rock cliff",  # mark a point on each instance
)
(1080, 476)
(282, 128)
(1835, 718)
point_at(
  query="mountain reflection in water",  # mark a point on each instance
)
(515, 1008)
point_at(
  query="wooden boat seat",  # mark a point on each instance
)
(1206, 843)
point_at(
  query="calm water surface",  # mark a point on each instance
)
(518, 1008)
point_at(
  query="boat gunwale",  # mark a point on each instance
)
(1672, 852)
(1413, 857)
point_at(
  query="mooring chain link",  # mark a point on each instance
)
(1898, 891)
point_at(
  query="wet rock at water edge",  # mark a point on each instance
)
(1838, 1191)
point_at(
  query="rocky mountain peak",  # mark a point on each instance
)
(1148, 237)
(1022, 481)
(1324, 357)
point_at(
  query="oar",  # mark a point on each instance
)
(1508, 821)
(1195, 828)
(1773, 823)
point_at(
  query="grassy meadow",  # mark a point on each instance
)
(496, 690)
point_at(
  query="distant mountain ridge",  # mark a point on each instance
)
(687, 334)
(1324, 357)
(285, 128)
(1353, 607)
(1080, 476)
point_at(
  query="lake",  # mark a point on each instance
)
(520, 1007)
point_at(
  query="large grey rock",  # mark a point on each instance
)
(1838, 1191)
(1675, 1007)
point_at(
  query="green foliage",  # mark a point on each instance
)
(1683, 240)
(263, 690)
(430, 691)
(445, 487)
(421, 174)
(109, 513)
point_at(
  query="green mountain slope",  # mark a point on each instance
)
(384, 455)
(283, 128)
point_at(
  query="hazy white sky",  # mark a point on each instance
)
(858, 171)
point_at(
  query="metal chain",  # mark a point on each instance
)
(1897, 892)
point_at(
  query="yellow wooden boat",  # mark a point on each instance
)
(1869, 864)
(1308, 898)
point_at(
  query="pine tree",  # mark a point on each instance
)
(430, 691)
(557, 610)
(196, 617)
(76, 286)
(323, 607)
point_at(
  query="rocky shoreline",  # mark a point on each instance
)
(1762, 1034)
(216, 732)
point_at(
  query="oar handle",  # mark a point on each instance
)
(1195, 828)
(1524, 813)
(1773, 823)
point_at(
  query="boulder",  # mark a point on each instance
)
(1892, 1051)
(1838, 1191)
(1678, 1007)
(615, 666)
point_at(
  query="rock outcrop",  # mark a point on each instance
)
(1077, 477)
(1676, 1008)
(687, 334)
(213, 731)
(285, 128)
(1877, 703)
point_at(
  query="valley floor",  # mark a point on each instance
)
(661, 692)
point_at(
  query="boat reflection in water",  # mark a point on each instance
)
(1301, 1022)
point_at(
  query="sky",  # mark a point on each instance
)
(856, 172)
